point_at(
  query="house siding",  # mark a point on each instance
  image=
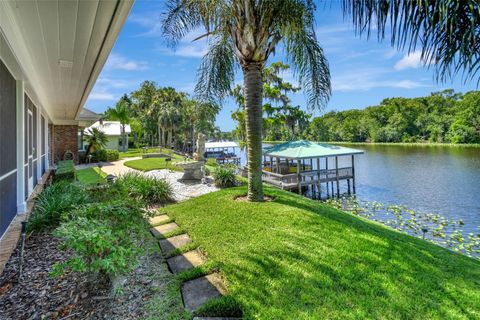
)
(8, 150)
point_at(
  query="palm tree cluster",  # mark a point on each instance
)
(163, 116)
(246, 33)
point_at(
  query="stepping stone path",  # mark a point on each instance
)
(186, 261)
(163, 229)
(159, 219)
(176, 242)
(196, 292)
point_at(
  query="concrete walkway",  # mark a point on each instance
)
(115, 167)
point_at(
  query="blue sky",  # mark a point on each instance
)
(363, 71)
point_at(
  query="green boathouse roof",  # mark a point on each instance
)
(303, 149)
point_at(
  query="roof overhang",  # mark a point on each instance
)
(61, 47)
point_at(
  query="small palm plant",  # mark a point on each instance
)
(96, 139)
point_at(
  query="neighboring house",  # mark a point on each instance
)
(113, 131)
(51, 53)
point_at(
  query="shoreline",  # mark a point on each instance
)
(401, 144)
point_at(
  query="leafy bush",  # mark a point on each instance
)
(145, 188)
(106, 155)
(207, 171)
(212, 162)
(225, 176)
(65, 171)
(53, 203)
(112, 155)
(105, 238)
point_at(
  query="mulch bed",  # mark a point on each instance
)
(39, 296)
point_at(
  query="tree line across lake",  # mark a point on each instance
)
(442, 117)
(445, 117)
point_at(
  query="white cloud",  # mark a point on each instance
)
(104, 96)
(116, 61)
(371, 78)
(412, 60)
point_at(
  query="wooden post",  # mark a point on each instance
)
(336, 174)
(277, 164)
(271, 164)
(348, 185)
(353, 173)
(326, 176)
(319, 185)
(288, 165)
(299, 178)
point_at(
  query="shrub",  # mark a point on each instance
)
(65, 171)
(207, 171)
(105, 238)
(112, 155)
(225, 176)
(54, 203)
(145, 188)
(106, 155)
(211, 162)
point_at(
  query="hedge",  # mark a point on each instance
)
(65, 171)
(106, 155)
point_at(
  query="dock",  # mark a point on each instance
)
(300, 165)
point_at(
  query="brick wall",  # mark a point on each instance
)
(64, 138)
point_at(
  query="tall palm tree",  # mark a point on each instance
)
(121, 113)
(248, 32)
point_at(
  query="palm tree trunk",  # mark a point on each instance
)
(253, 87)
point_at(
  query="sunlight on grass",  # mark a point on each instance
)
(91, 175)
(139, 152)
(151, 164)
(298, 259)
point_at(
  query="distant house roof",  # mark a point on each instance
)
(221, 144)
(303, 149)
(88, 115)
(110, 128)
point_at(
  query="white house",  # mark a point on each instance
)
(113, 131)
(51, 53)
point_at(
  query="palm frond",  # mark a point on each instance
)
(310, 64)
(216, 73)
(180, 18)
(447, 32)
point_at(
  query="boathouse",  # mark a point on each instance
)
(305, 165)
(222, 151)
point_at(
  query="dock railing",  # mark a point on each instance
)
(290, 181)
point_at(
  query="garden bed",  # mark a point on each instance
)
(38, 295)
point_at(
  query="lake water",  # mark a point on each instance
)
(434, 179)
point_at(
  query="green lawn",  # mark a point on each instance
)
(139, 152)
(295, 258)
(151, 164)
(92, 175)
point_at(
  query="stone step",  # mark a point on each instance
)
(176, 242)
(158, 219)
(199, 291)
(163, 229)
(186, 261)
